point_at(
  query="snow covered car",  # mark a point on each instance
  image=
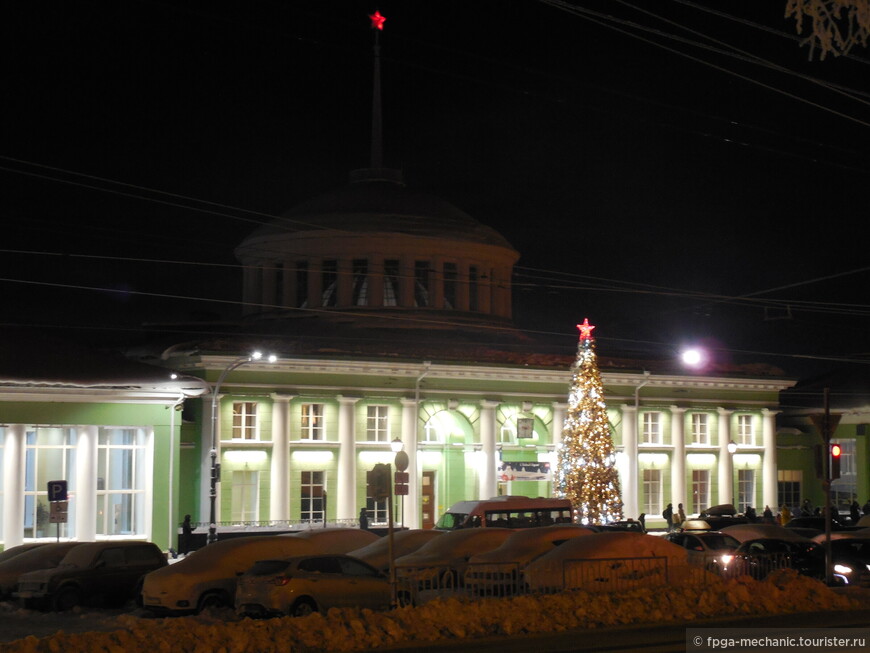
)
(107, 572)
(498, 571)
(757, 558)
(377, 554)
(610, 561)
(710, 550)
(301, 585)
(8, 554)
(207, 577)
(41, 557)
(441, 563)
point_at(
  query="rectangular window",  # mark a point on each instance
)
(450, 285)
(49, 456)
(121, 482)
(391, 282)
(788, 489)
(745, 489)
(301, 284)
(700, 428)
(312, 493)
(329, 283)
(745, 432)
(652, 428)
(652, 492)
(245, 420)
(312, 422)
(246, 496)
(421, 283)
(377, 511)
(360, 282)
(700, 489)
(473, 277)
(378, 423)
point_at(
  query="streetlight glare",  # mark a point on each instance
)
(257, 355)
(693, 357)
(272, 358)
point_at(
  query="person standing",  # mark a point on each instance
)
(681, 515)
(668, 515)
(186, 536)
(363, 519)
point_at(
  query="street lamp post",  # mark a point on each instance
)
(732, 448)
(215, 468)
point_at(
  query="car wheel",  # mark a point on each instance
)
(66, 598)
(303, 607)
(211, 601)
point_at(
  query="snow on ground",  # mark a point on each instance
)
(443, 619)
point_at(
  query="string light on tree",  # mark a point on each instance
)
(586, 466)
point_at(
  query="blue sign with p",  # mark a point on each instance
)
(57, 491)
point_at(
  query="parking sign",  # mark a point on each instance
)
(57, 491)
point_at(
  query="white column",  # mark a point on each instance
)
(86, 483)
(678, 462)
(411, 506)
(279, 505)
(768, 474)
(558, 423)
(13, 485)
(726, 482)
(488, 486)
(629, 450)
(346, 504)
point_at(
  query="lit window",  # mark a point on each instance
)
(50, 454)
(745, 431)
(360, 282)
(700, 428)
(246, 496)
(312, 492)
(391, 282)
(312, 422)
(652, 428)
(745, 488)
(121, 482)
(378, 423)
(245, 420)
(700, 489)
(788, 488)
(652, 492)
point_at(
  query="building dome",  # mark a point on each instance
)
(375, 246)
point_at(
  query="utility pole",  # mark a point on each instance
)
(826, 424)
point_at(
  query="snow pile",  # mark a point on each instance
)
(445, 619)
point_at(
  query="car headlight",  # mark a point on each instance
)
(726, 559)
(842, 569)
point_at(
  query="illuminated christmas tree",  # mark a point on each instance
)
(586, 472)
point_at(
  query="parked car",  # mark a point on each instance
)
(441, 563)
(8, 554)
(109, 572)
(609, 561)
(506, 512)
(850, 557)
(499, 571)
(757, 558)
(710, 550)
(43, 557)
(817, 523)
(745, 532)
(718, 517)
(377, 554)
(207, 577)
(301, 585)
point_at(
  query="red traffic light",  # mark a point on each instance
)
(836, 450)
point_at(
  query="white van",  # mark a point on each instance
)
(506, 512)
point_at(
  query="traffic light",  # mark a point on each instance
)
(836, 452)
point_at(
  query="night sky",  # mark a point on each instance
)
(669, 199)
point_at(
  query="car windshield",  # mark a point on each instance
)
(268, 567)
(80, 556)
(451, 520)
(720, 542)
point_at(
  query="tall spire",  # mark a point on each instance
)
(376, 170)
(377, 156)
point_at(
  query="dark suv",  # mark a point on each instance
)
(105, 572)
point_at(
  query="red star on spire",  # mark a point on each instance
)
(377, 20)
(585, 329)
